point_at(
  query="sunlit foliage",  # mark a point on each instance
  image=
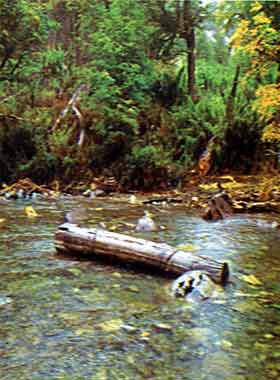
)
(259, 37)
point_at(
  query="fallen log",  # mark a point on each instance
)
(69, 238)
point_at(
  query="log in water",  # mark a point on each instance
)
(70, 238)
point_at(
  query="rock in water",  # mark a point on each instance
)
(5, 300)
(193, 286)
(76, 216)
(146, 223)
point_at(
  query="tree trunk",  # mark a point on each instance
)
(189, 34)
(70, 238)
(231, 98)
(191, 64)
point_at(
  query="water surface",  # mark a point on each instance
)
(66, 318)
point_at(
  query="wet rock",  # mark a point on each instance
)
(193, 286)
(76, 216)
(146, 223)
(5, 300)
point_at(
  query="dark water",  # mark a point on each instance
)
(64, 318)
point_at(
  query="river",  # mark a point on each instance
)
(66, 318)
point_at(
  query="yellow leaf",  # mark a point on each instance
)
(211, 186)
(112, 325)
(30, 212)
(116, 274)
(133, 288)
(129, 224)
(54, 194)
(84, 330)
(226, 344)
(145, 334)
(188, 247)
(238, 206)
(116, 286)
(232, 184)
(251, 279)
(2, 220)
(98, 209)
(133, 200)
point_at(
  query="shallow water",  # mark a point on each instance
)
(65, 318)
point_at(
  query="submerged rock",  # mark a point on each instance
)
(76, 216)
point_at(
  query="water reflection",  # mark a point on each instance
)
(80, 319)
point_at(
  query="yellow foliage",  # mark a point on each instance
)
(240, 33)
(261, 41)
(271, 132)
(268, 98)
(256, 6)
(261, 19)
(268, 107)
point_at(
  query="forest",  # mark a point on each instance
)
(139, 190)
(145, 91)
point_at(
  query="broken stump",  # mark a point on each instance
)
(219, 207)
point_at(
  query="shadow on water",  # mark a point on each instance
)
(65, 318)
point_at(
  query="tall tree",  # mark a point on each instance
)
(187, 31)
(177, 22)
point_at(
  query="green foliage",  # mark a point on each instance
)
(119, 68)
(23, 30)
(139, 121)
(146, 167)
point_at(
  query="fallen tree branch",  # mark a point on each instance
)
(71, 104)
(11, 116)
(70, 238)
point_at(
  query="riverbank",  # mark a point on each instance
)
(248, 193)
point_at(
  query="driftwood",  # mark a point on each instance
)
(70, 238)
(218, 207)
(27, 186)
(268, 206)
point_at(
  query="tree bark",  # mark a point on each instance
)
(70, 238)
(231, 98)
(189, 35)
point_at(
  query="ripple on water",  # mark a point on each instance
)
(62, 318)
